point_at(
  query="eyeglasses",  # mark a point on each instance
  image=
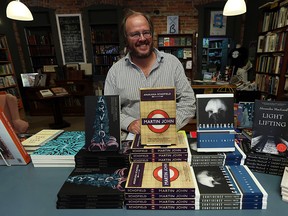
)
(137, 35)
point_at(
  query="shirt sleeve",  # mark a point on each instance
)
(110, 89)
(185, 99)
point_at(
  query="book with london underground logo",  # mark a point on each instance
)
(158, 116)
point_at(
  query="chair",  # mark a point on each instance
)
(9, 105)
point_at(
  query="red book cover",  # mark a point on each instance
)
(12, 150)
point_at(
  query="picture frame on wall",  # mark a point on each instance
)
(218, 23)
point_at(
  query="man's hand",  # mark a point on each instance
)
(134, 127)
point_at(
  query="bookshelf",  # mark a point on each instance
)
(40, 47)
(106, 47)
(180, 45)
(272, 51)
(8, 81)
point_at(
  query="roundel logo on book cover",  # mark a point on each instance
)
(160, 171)
(160, 117)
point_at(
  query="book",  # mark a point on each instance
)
(158, 116)
(28, 79)
(102, 123)
(12, 151)
(215, 112)
(40, 138)
(46, 93)
(284, 180)
(40, 79)
(247, 109)
(181, 146)
(158, 177)
(270, 129)
(59, 91)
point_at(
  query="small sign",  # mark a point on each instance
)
(172, 24)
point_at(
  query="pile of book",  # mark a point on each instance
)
(229, 187)
(160, 153)
(266, 147)
(215, 158)
(93, 188)
(160, 185)
(284, 185)
(59, 152)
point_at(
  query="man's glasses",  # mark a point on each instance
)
(137, 35)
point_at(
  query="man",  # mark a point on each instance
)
(145, 67)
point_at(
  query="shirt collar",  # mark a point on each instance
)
(159, 56)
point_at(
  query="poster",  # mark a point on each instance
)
(218, 23)
(172, 24)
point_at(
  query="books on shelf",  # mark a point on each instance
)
(158, 116)
(12, 151)
(102, 123)
(40, 138)
(270, 127)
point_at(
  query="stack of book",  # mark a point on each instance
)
(229, 187)
(284, 185)
(89, 159)
(267, 151)
(215, 123)
(59, 152)
(93, 188)
(215, 158)
(160, 153)
(163, 186)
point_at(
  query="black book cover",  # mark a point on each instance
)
(102, 123)
(93, 182)
(270, 127)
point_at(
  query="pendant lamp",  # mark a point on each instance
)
(234, 7)
(18, 11)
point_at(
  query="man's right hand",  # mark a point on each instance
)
(134, 127)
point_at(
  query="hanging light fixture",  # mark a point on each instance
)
(18, 11)
(234, 7)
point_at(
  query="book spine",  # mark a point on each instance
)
(160, 190)
(175, 155)
(160, 201)
(159, 159)
(163, 150)
(160, 207)
(161, 196)
(14, 137)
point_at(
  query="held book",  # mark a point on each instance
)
(102, 123)
(158, 116)
(12, 151)
(270, 127)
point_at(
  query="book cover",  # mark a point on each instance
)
(284, 180)
(28, 79)
(158, 116)
(94, 183)
(11, 150)
(246, 120)
(270, 127)
(46, 93)
(40, 80)
(102, 123)
(41, 137)
(59, 91)
(215, 112)
(180, 146)
(65, 146)
(158, 177)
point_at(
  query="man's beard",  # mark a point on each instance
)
(136, 54)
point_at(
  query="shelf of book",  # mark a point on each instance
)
(180, 45)
(272, 51)
(8, 81)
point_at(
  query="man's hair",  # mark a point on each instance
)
(130, 13)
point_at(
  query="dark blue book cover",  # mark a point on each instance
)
(102, 123)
